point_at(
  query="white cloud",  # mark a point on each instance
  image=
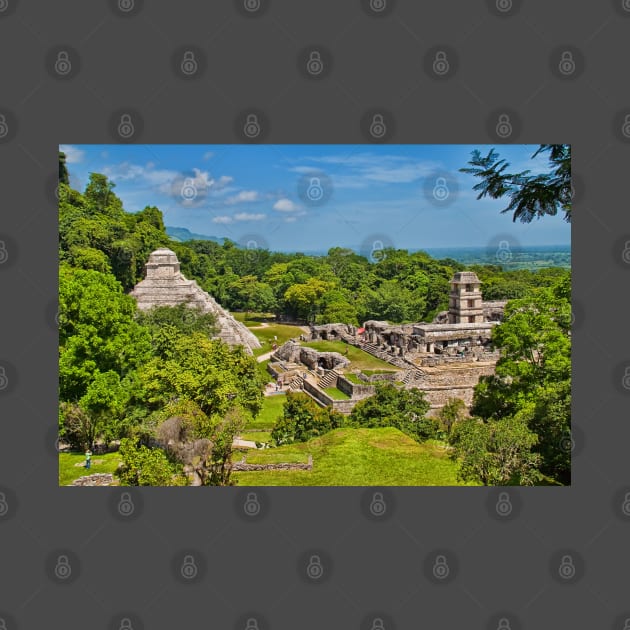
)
(243, 196)
(285, 205)
(207, 155)
(222, 219)
(245, 216)
(74, 155)
(290, 219)
(357, 170)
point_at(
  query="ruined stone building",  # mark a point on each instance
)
(444, 358)
(165, 285)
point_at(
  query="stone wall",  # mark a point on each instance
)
(353, 390)
(293, 352)
(281, 466)
(97, 479)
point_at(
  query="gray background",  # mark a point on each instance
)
(129, 566)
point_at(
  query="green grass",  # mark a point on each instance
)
(271, 411)
(253, 319)
(336, 394)
(356, 457)
(262, 369)
(282, 331)
(68, 472)
(372, 372)
(353, 378)
(257, 436)
(359, 359)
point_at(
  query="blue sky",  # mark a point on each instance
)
(257, 193)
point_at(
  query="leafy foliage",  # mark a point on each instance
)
(403, 409)
(303, 419)
(531, 196)
(142, 466)
(496, 453)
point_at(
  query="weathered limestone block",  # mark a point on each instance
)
(295, 353)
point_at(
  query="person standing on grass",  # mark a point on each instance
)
(88, 458)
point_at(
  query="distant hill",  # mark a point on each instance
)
(184, 234)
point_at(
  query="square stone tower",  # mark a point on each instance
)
(464, 303)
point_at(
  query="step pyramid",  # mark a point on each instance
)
(164, 285)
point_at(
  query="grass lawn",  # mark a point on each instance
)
(356, 457)
(262, 368)
(336, 394)
(68, 472)
(282, 331)
(359, 359)
(253, 319)
(271, 411)
(372, 372)
(353, 378)
(257, 436)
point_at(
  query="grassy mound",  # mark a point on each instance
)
(356, 457)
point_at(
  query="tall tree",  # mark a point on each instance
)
(531, 196)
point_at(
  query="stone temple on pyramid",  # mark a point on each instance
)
(164, 285)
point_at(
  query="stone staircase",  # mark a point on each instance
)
(412, 370)
(328, 380)
(296, 384)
